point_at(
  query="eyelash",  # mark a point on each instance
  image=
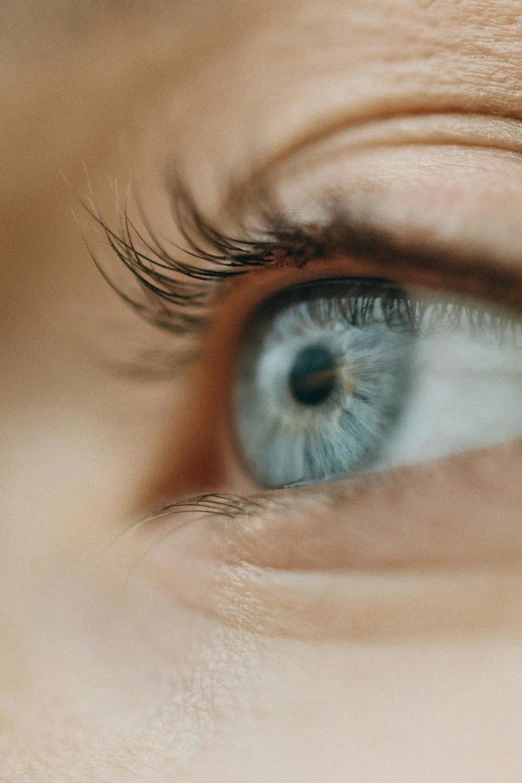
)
(372, 300)
(178, 295)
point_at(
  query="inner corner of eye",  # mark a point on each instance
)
(344, 376)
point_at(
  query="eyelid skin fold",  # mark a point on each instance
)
(181, 282)
(415, 551)
(408, 517)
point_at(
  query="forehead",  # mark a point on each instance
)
(430, 41)
(273, 74)
(242, 76)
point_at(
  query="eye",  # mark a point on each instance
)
(340, 377)
(303, 364)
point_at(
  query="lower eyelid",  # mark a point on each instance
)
(432, 548)
(371, 608)
(459, 511)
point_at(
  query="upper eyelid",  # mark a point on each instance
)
(442, 128)
(179, 287)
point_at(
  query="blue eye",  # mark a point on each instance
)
(322, 380)
(344, 376)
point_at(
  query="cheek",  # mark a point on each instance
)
(104, 670)
(401, 712)
(234, 671)
(212, 701)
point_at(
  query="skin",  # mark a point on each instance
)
(364, 630)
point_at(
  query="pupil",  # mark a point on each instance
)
(313, 375)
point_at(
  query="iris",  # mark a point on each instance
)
(345, 376)
(323, 375)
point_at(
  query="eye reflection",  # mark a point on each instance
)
(345, 376)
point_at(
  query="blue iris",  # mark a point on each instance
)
(323, 377)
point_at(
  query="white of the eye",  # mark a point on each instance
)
(467, 392)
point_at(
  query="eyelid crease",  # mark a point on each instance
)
(289, 561)
(465, 128)
(272, 528)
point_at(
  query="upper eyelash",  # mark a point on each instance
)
(361, 301)
(178, 294)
